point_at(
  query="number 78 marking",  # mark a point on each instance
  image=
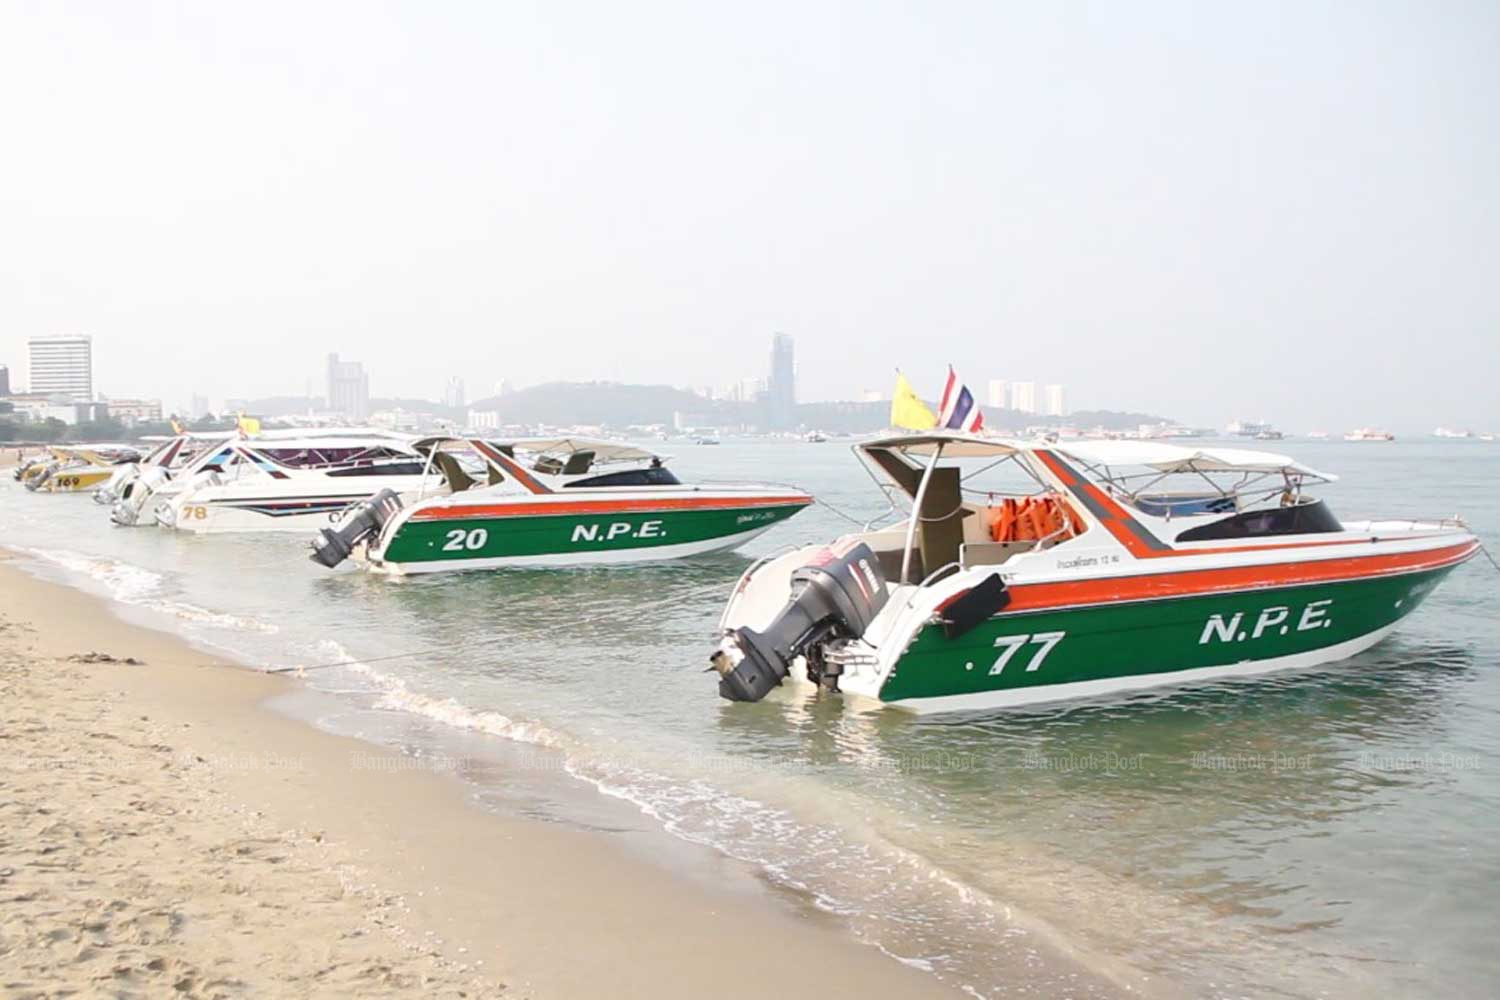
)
(1011, 643)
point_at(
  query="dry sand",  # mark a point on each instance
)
(162, 834)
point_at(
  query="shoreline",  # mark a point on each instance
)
(460, 899)
(400, 884)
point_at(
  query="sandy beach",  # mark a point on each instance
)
(165, 834)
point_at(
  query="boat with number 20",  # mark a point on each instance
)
(570, 501)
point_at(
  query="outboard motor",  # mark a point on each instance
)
(836, 596)
(113, 489)
(136, 493)
(36, 482)
(333, 545)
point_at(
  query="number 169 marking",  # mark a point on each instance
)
(1010, 644)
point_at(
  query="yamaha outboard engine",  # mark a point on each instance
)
(836, 596)
(333, 545)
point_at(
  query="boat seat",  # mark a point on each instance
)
(890, 564)
(940, 534)
(458, 479)
(578, 463)
(991, 553)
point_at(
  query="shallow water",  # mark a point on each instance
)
(1325, 833)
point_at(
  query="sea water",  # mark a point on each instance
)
(1319, 833)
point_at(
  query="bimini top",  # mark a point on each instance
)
(604, 451)
(1171, 458)
(955, 444)
(559, 448)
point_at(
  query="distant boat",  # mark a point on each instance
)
(1269, 434)
(1318, 435)
(815, 437)
(1369, 434)
(1247, 428)
(706, 439)
(1446, 432)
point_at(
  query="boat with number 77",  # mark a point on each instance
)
(1079, 569)
(568, 501)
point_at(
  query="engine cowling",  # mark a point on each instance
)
(333, 545)
(834, 596)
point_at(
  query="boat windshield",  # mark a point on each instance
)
(655, 475)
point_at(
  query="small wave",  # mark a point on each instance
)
(143, 588)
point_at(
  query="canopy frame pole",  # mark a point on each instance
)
(916, 513)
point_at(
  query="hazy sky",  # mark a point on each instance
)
(1203, 210)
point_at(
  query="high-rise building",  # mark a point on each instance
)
(4, 381)
(1053, 398)
(1023, 397)
(63, 365)
(348, 388)
(997, 393)
(781, 387)
(199, 407)
(454, 395)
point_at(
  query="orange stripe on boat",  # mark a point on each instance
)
(568, 508)
(1138, 539)
(1196, 582)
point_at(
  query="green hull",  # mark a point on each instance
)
(1116, 642)
(491, 538)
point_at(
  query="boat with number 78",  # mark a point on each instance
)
(1029, 572)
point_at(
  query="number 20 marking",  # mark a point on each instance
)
(1011, 643)
(459, 540)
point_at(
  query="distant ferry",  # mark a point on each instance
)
(1369, 434)
(1247, 428)
(1447, 432)
(1318, 435)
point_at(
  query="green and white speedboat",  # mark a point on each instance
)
(1095, 568)
(570, 501)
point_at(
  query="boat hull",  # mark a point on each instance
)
(73, 480)
(1037, 656)
(453, 538)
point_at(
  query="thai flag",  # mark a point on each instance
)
(958, 411)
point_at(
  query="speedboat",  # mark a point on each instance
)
(1088, 568)
(276, 460)
(571, 501)
(170, 454)
(293, 484)
(76, 468)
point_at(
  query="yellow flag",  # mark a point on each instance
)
(176, 427)
(249, 426)
(909, 411)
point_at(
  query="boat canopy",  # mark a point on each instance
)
(1172, 458)
(603, 451)
(954, 444)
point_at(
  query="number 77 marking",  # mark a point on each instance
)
(1011, 643)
